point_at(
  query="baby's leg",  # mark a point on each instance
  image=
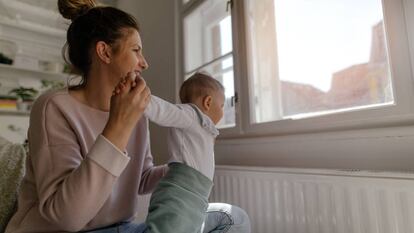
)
(179, 202)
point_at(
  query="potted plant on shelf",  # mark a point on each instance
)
(48, 85)
(25, 97)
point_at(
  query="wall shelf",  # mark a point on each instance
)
(39, 34)
(4, 112)
(10, 70)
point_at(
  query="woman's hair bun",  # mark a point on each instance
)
(71, 9)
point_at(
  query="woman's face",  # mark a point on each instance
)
(128, 55)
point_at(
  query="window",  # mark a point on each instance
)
(315, 57)
(301, 65)
(209, 48)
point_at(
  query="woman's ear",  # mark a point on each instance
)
(207, 102)
(104, 51)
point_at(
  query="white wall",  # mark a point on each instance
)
(157, 22)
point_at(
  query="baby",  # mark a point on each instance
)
(181, 197)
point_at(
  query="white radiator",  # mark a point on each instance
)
(289, 200)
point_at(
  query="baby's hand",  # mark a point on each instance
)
(126, 84)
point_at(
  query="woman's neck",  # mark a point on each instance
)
(97, 97)
(97, 92)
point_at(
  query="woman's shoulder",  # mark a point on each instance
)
(53, 94)
(58, 97)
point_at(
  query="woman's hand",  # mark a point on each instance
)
(128, 103)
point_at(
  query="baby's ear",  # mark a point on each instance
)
(207, 102)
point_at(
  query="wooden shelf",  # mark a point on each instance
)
(4, 112)
(11, 70)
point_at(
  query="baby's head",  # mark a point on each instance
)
(205, 92)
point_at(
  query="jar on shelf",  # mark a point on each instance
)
(8, 50)
(51, 66)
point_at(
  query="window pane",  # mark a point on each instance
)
(207, 34)
(330, 55)
(222, 70)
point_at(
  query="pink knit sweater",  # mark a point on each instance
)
(75, 178)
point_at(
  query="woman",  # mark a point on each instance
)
(89, 154)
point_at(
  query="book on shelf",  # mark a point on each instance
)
(8, 104)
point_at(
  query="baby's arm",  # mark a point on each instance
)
(160, 111)
(166, 114)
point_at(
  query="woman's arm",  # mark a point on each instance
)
(71, 187)
(126, 109)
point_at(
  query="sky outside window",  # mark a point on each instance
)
(320, 37)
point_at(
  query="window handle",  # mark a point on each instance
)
(229, 5)
(234, 99)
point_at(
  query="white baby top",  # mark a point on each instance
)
(191, 136)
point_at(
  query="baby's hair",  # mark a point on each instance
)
(198, 85)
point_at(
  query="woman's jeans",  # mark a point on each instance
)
(220, 218)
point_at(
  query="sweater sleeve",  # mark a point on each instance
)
(151, 174)
(166, 114)
(71, 187)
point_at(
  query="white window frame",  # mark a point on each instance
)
(399, 27)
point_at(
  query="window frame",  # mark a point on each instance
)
(186, 9)
(400, 42)
(399, 113)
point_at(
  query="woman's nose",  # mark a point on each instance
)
(143, 63)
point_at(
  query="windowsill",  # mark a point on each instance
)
(377, 148)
